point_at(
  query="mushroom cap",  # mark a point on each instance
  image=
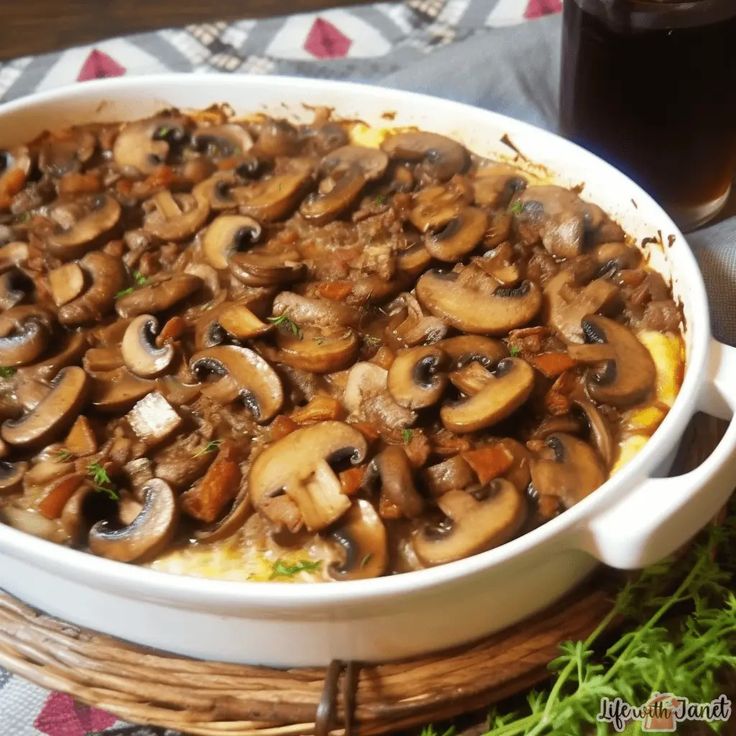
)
(253, 379)
(630, 376)
(25, 344)
(362, 539)
(416, 378)
(464, 349)
(118, 390)
(323, 207)
(144, 144)
(139, 350)
(222, 141)
(318, 352)
(11, 476)
(298, 465)
(226, 235)
(459, 236)
(371, 161)
(396, 482)
(158, 296)
(261, 268)
(150, 531)
(274, 198)
(53, 414)
(600, 432)
(103, 214)
(574, 470)
(441, 157)
(475, 522)
(471, 310)
(107, 277)
(504, 393)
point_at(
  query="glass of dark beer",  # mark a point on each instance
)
(650, 85)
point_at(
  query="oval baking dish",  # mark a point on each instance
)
(635, 518)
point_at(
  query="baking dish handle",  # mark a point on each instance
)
(664, 513)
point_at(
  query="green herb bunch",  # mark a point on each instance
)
(677, 624)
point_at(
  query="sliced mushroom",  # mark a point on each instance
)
(441, 157)
(274, 198)
(231, 522)
(65, 152)
(56, 411)
(459, 236)
(396, 482)
(362, 540)
(70, 352)
(252, 379)
(222, 141)
(277, 138)
(318, 351)
(174, 217)
(139, 349)
(600, 432)
(145, 144)
(299, 465)
(146, 535)
(66, 283)
(566, 304)
(15, 165)
(107, 277)
(371, 161)
(474, 522)
(568, 468)
(267, 269)
(226, 235)
(237, 320)
(494, 185)
(469, 308)
(629, 376)
(435, 206)
(416, 378)
(321, 207)
(465, 349)
(11, 476)
(557, 217)
(453, 474)
(505, 392)
(616, 257)
(25, 334)
(158, 296)
(318, 312)
(99, 214)
(118, 390)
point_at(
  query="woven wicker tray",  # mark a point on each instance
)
(209, 699)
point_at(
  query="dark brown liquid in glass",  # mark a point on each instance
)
(651, 87)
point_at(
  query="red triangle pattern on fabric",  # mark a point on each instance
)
(326, 41)
(98, 65)
(61, 715)
(537, 8)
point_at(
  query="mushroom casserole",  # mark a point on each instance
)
(251, 349)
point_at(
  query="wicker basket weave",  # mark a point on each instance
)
(210, 699)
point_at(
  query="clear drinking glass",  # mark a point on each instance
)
(650, 85)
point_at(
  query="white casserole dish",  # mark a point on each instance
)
(633, 520)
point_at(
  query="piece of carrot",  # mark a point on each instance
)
(52, 503)
(207, 499)
(552, 364)
(319, 409)
(281, 426)
(335, 290)
(488, 462)
(351, 480)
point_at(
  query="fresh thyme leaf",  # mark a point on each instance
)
(381, 198)
(63, 455)
(516, 208)
(139, 278)
(514, 351)
(406, 435)
(7, 371)
(162, 131)
(284, 570)
(101, 481)
(372, 341)
(124, 292)
(25, 216)
(283, 322)
(211, 446)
